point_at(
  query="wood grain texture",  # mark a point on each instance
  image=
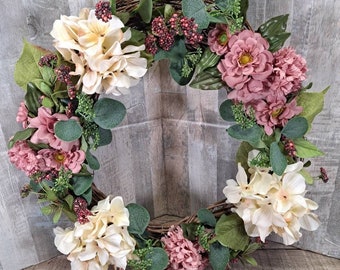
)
(171, 153)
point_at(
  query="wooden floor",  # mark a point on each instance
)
(273, 256)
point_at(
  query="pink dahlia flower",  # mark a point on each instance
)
(275, 111)
(23, 157)
(218, 39)
(289, 71)
(55, 159)
(183, 254)
(22, 115)
(248, 60)
(45, 122)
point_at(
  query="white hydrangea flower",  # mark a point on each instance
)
(102, 241)
(269, 202)
(95, 47)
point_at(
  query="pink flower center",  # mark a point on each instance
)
(245, 58)
(222, 39)
(59, 157)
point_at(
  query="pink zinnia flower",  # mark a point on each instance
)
(289, 71)
(274, 111)
(218, 39)
(56, 159)
(183, 254)
(22, 115)
(23, 157)
(248, 60)
(45, 122)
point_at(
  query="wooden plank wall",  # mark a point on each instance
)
(171, 153)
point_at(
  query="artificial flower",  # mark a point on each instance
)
(248, 61)
(22, 115)
(218, 39)
(183, 254)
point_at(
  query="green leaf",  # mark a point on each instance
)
(308, 178)
(206, 217)
(226, 111)
(250, 260)
(27, 68)
(278, 161)
(87, 195)
(113, 6)
(168, 11)
(252, 248)
(209, 79)
(68, 130)
(123, 16)
(295, 128)
(32, 97)
(36, 187)
(274, 31)
(69, 200)
(81, 183)
(144, 9)
(139, 218)
(109, 113)
(219, 256)
(208, 59)
(57, 215)
(105, 136)
(21, 136)
(305, 149)
(312, 104)
(92, 161)
(230, 232)
(189, 230)
(47, 210)
(47, 102)
(242, 154)
(196, 9)
(159, 259)
(251, 135)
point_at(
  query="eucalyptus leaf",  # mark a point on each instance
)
(226, 111)
(105, 136)
(109, 113)
(278, 161)
(68, 130)
(219, 256)
(305, 149)
(92, 161)
(159, 259)
(139, 218)
(206, 217)
(81, 183)
(230, 232)
(87, 195)
(251, 135)
(295, 128)
(274, 31)
(196, 9)
(242, 154)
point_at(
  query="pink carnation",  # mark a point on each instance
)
(247, 62)
(288, 73)
(218, 39)
(23, 157)
(56, 159)
(183, 254)
(45, 122)
(22, 115)
(275, 111)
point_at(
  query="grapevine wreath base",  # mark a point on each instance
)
(209, 46)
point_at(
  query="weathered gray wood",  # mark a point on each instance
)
(171, 153)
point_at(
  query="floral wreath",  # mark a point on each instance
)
(209, 45)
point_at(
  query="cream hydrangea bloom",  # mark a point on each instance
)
(102, 241)
(95, 47)
(272, 203)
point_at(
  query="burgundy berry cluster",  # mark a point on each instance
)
(163, 33)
